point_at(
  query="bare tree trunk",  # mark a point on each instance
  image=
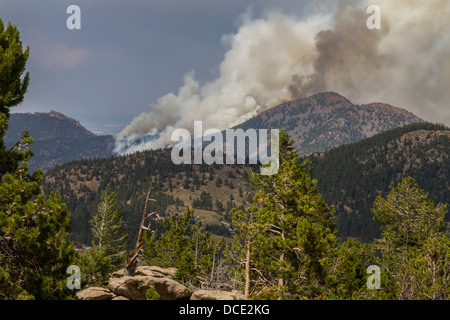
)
(196, 248)
(130, 268)
(282, 258)
(213, 265)
(247, 272)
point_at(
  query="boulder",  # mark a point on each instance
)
(156, 271)
(95, 293)
(119, 298)
(135, 288)
(117, 274)
(217, 295)
(153, 271)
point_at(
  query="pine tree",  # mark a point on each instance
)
(415, 249)
(34, 254)
(95, 267)
(408, 216)
(296, 229)
(13, 86)
(108, 250)
(219, 206)
(183, 245)
(241, 252)
(186, 182)
(348, 271)
(430, 269)
(107, 228)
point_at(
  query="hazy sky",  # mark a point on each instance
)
(127, 53)
(131, 54)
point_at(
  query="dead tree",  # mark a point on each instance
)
(131, 264)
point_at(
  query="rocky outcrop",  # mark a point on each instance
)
(156, 271)
(153, 271)
(119, 298)
(216, 295)
(135, 288)
(95, 293)
(146, 277)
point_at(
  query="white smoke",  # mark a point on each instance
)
(278, 58)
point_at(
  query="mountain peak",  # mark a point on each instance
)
(329, 96)
(57, 138)
(59, 115)
(326, 120)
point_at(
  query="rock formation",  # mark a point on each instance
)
(146, 277)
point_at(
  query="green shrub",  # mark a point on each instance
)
(152, 294)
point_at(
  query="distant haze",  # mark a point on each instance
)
(277, 57)
(103, 124)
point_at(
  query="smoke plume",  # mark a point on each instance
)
(279, 57)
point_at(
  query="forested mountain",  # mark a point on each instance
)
(349, 178)
(327, 120)
(57, 139)
(212, 190)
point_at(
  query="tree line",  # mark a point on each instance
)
(351, 177)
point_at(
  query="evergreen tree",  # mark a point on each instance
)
(108, 250)
(196, 181)
(13, 86)
(348, 271)
(408, 216)
(34, 254)
(242, 251)
(219, 206)
(415, 249)
(183, 245)
(170, 185)
(186, 182)
(95, 267)
(430, 269)
(296, 228)
(107, 228)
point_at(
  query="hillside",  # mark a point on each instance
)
(57, 139)
(211, 190)
(327, 120)
(349, 178)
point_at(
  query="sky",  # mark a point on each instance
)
(149, 66)
(126, 55)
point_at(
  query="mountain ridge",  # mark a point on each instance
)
(316, 124)
(57, 139)
(325, 120)
(351, 176)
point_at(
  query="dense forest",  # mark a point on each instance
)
(212, 189)
(351, 176)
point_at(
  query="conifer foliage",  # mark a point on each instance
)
(110, 239)
(108, 230)
(284, 237)
(34, 254)
(415, 249)
(185, 245)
